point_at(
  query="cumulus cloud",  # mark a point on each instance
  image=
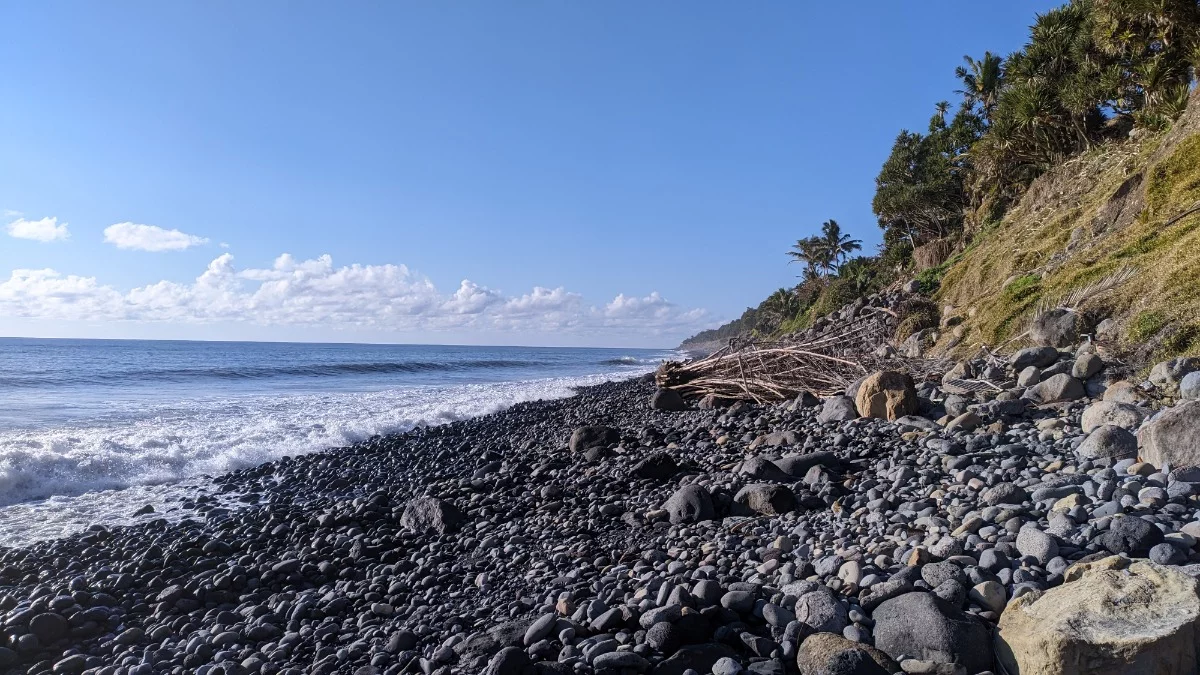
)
(46, 229)
(139, 237)
(316, 292)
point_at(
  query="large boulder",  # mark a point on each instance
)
(761, 468)
(886, 394)
(838, 409)
(798, 465)
(821, 610)
(429, 513)
(1172, 437)
(1058, 327)
(1129, 535)
(765, 499)
(1124, 415)
(1189, 386)
(593, 436)
(1108, 442)
(1061, 387)
(690, 504)
(1104, 621)
(923, 626)
(1038, 357)
(667, 399)
(829, 654)
(1168, 374)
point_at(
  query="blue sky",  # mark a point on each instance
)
(608, 173)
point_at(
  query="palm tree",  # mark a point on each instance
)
(781, 305)
(807, 251)
(837, 245)
(982, 81)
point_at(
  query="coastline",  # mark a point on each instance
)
(614, 531)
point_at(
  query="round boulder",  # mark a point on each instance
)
(886, 394)
(829, 654)
(1172, 437)
(923, 626)
(690, 504)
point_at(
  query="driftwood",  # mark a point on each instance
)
(765, 371)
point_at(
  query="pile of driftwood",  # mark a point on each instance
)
(765, 371)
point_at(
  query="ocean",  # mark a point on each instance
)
(91, 430)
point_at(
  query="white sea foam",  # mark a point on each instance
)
(57, 480)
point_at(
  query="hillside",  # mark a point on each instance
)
(1113, 234)
(1063, 192)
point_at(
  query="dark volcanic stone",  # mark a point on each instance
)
(1130, 535)
(924, 626)
(49, 627)
(430, 513)
(690, 504)
(593, 436)
(669, 400)
(657, 466)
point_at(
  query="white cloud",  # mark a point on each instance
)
(12, 213)
(149, 238)
(316, 292)
(46, 229)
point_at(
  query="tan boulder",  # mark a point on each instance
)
(1106, 619)
(886, 394)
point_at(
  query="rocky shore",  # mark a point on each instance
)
(1046, 524)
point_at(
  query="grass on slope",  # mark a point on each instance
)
(1051, 245)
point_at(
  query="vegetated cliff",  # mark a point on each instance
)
(1113, 234)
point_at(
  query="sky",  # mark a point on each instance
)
(608, 173)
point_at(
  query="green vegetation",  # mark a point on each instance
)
(1146, 325)
(959, 208)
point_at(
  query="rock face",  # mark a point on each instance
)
(428, 513)
(924, 626)
(587, 437)
(829, 654)
(1173, 436)
(1056, 328)
(886, 394)
(690, 504)
(667, 399)
(1104, 621)
(838, 409)
(1124, 415)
